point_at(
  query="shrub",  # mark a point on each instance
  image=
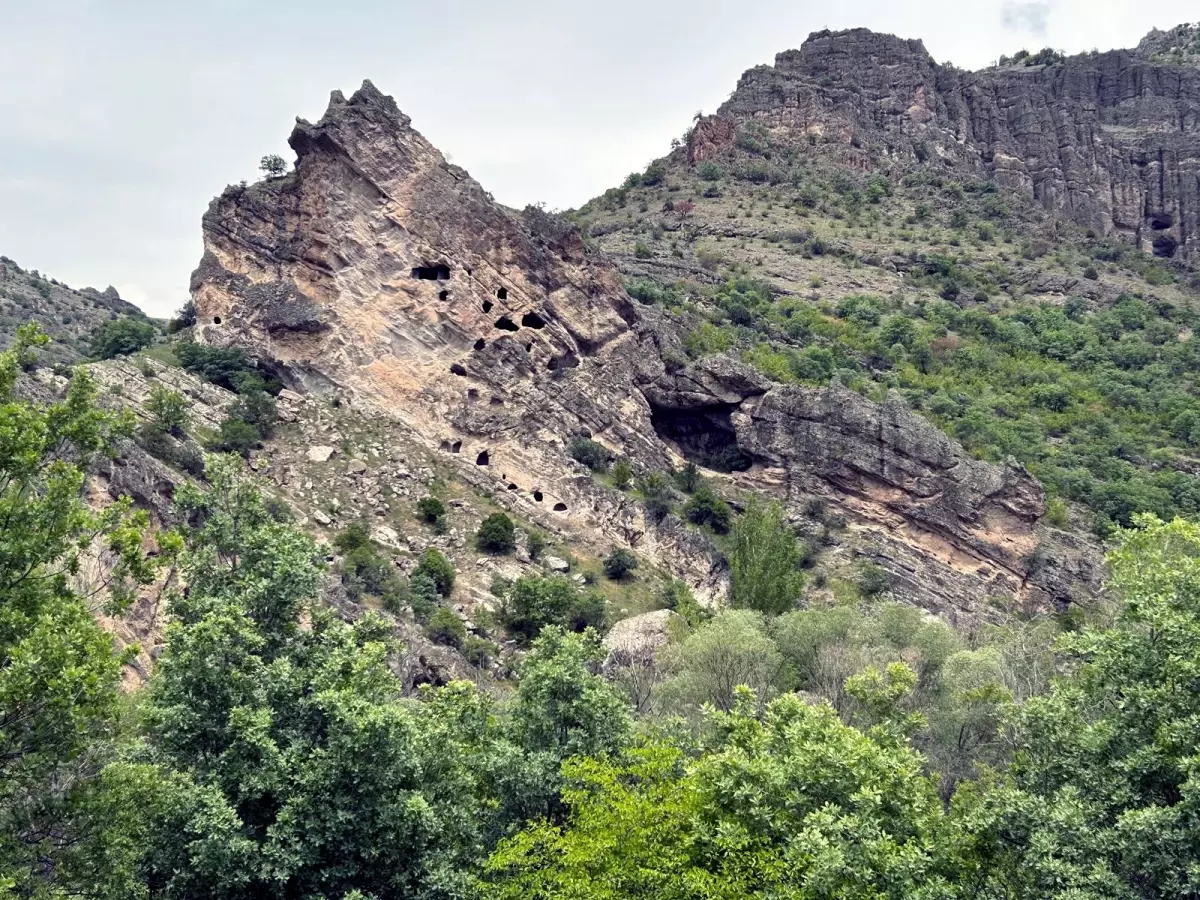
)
(622, 474)
(438, 569)
(120, 337)
(709, 171)
(873, 579)
(688, 478)
(422, 596)
(535, 544)
(591, 454)
(619, 563)
(530, 604)
(446, 628)
(169, 410)
(191, 460)
(641, 251)
(496, 534)
(656, 494)
(237, 436)
(706, 508)
(430, 509)
(654, 174)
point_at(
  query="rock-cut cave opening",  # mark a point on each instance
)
(504, 323)
(705, 436)
(431, 273)
(483, 459)
(1165, 246)
(502, 294)
(533, 320)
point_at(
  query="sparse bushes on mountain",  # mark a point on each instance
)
(273, 165)
(121, 337)
(185, 317)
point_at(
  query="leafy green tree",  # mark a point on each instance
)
(530, 604)
(273, 165)
(1102, 801)
(439, 569)
(729, 651)
(59, 671)
(446, 628)
(763, 560)
(301, 770)
(237, 436)
(706, 508)
(496, 534)
(619, 563)
(120, 337)
(789, 803)
(169, 409)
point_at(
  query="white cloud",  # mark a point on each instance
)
(1030, 17)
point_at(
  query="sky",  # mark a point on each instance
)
(124, 118)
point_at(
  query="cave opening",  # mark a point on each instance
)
(705, 436)
(431, 273)
(443, 295)
(533, 320)
(458, 369)
(504, 323)
(480, 344)
(1161, 221)
(560, 507)
(216, 320)
(502, 294)
(537, 496)
(483, 459)
(487, 306)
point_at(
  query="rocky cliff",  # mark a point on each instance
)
(378, 271)
(1109, 140)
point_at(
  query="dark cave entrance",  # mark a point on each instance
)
(431, 273)
(705, 436)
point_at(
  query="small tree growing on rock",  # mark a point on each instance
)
(273, 165)
(496, 534)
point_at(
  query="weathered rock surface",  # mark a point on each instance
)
(1110, 140)
(380, 271)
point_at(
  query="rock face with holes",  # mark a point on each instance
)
(1111, 140)
(898, 476)
(378, 270)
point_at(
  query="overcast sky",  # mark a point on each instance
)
(123, 118)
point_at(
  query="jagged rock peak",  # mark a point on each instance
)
(852, 43)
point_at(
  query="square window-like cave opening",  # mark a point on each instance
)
(431, 273)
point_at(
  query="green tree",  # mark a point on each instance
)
(729, 651)
(763, 560)
(169, 409)
(530, 604)
(1102, 800)
(273, 165)
(439, 569)
(706, 508)
(59, 671)
(619, 563)
(120, 337)
(301, 770)
(496, 534)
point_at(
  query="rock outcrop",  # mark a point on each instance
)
(380, 271)
(1110, 140)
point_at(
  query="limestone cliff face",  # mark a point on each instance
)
(380, 271)
(1110, 140)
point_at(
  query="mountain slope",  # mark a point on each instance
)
(497, 338)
